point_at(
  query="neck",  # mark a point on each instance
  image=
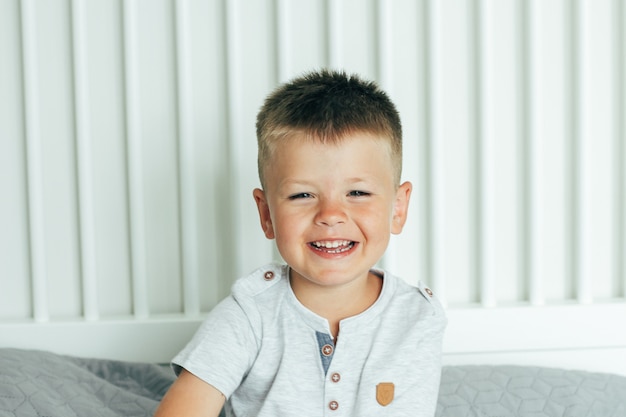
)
(336, 303)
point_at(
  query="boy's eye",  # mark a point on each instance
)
(357, 193)
(300, 195)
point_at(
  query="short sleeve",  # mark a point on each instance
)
(222, 350)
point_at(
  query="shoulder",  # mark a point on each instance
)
(266, 278)
(250, 298)
(402, 287)
(420, 294)
(259, 295)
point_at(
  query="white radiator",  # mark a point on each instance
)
(128, 153)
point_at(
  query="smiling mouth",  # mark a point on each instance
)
(332, 246)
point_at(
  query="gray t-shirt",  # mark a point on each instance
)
(271, 356)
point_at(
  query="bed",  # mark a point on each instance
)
(120, 367)
(42, 383)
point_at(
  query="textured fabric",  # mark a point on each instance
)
(523, 391)
(35, 383)
(259, 348)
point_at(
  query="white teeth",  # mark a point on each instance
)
(331, 244)
(335, 246)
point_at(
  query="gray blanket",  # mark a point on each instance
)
(526, 391)
(37, 384)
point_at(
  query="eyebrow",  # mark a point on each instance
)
(296, 181)
(293, 182)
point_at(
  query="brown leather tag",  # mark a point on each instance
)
(384, 393)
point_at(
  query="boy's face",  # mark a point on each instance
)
(332, 207)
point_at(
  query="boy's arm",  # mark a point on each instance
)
(190, 396)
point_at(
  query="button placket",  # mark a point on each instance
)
(326, 349)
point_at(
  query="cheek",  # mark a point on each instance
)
(289, 233)
(377, 220)
(286, 226)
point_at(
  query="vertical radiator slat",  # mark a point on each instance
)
(524, 149)
(596, 151)
(426, 163)
(536, 164)
(33, 162)
(583, 286)
(437, 170)
(622, 118)
(234, 76)
(84, 164)
(223, 241)
(284, 47)
(482, 155)
(384, 48)
(619, 109)
(135, 166)
(334, 41)
(234, 51)
(571, 216)
(186, 163)
(622, 132)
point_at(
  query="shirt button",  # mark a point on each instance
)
(269, 275)
(327, 350)
(429, 291)
(333, 405)
(335, 377)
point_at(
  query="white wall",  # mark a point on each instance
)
(127, 146)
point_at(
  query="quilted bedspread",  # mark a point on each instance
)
(522, 391)
(38, 384)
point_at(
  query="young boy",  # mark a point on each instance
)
(325, 334)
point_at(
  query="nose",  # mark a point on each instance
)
(330, 213)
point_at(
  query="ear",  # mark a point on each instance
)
(401, 207)
(264, 213)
